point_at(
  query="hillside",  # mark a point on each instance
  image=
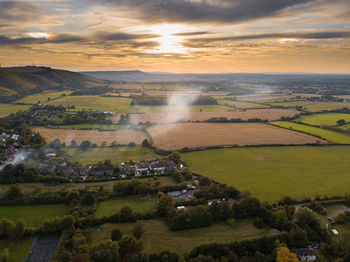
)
(16, 82)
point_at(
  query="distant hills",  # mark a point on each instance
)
(19, 81)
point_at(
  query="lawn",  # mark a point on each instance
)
(271, 173)
(6, 109)
(43, 97)
(110, 207)
(326, 119)
(115, 154)
(114, 104)
(328, 135)
(158, 237)
(33, 215)
(313, 106)
(18, 250)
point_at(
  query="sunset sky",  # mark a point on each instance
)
(180, 36)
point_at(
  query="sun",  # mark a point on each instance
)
(169, 41)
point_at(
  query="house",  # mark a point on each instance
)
(335, 232)
(102, 171)
(179, 208)
(141, 168)
(305, 254)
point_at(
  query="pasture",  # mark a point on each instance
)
(6, 109)
(271, 173)
(158, 237)
(18, 250)
(33, 215)
(115, 154)
(43, 97)
(194, 135)
(313, 106)
(121, 136)
(328, 135)
(138, 205)
(170, 117)
(113, 104)
(327, 119)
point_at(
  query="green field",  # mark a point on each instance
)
(7, 109)
(114, 104)
(92, 126)
(115, 154)
(158, 237)
(18, 250)
(34, 99)
(313, 106)
(270, 173)
(33, 215)
(110, 207)
(240, 104)
(328, 135)
(327, 119)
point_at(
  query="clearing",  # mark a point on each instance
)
(122, 137)
(195, 135)
(271, 173)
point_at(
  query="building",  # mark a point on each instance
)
(305, 254)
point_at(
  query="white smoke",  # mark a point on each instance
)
(18, 158)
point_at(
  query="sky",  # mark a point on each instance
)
(178, 36)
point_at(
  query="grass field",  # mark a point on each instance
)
(205, 108)
(273, 172)
(18, 250)
(34, 99)
(115, 154)
(158, 237)
(328, 135)
(34, 216)
(114, 104)
(110, 207)
(327, 119)
(240, 104)
(170, 117)
(123, 137)
(313, 106)
(6, 109)
(193, 135)
(92, 126)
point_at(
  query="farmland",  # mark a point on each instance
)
(43, 97)
(114, 104)
(110, 207)
(240, 104)
(6, 109)
(158, 237)
(178, 136)
(327, 119)
(328, 135)
(168, 117)
(32, 219)
(313, 106)
(193, 108)
(92, 126)
(270, 173)
(123, 137)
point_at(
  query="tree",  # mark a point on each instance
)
(284, 255)
(164, 256)
(104, 144)
(4, 255)
(341, 122)
(146, 143)
(107, 251)
(18, 231)
(73, 144)
(165, 205)
(64, 256)
(88, 198)
(138, 229)
(304, 216)
(13, 192)
(85, 145)
(116, 234)
(128, 245)
(297, 238)
(125, 214)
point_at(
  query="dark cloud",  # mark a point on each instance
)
(193, 33)
(206, 10)
(122, 36)
(18, 11)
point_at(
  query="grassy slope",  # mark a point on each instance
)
(328, 119)
(158, 237)
(33, 99)
(34, 216)
(115, 154)
(331, 136)
(110, 207)
(18, 250)
(8, 109)
(273, 172)
(115, 104)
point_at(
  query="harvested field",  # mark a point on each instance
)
(170, 117)
(123, 137)
(193, 135)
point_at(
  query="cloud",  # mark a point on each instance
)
(193, 33)
(206, 10)
(18, 11)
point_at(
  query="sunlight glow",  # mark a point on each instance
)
(169, 42)
(288, 40)
(38, 35)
